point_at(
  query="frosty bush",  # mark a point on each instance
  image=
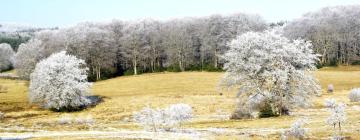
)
(178, 113)
(337, 114)
(296, 130)
(163, 119)
(88, 120)
(330, 88)
(6, 56)
(354, 95)
(66, 119)
(60, 83)
(275, 70)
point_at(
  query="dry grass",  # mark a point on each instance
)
(123, 95)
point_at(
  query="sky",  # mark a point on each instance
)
(60, 13)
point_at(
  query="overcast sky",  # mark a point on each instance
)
(68, 12)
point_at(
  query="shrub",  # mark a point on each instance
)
(66, 119)
(267, 111)
(296, 130)
(330, 88)
(60, 83)
(354, 95)
(163, 119)
(88, 120)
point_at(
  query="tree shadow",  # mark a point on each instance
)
(94, 100)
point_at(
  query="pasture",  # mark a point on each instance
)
(112, 118)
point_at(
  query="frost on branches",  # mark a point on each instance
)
(60, 83)
(267, 67)
(337, 114)
(354, 95)
(163, 119)
(26, 58)
(6, 56)
(296, 131)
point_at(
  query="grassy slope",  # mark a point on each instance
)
(123, 95)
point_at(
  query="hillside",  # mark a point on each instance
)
(124, 95)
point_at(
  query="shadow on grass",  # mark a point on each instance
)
(94, 100)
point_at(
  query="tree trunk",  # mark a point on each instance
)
(135, 67)
(215, 59)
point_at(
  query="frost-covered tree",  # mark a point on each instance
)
(6, 56)
(60, 83)
(271, 68)
(27, 56)
(163, 119)
(354, 95)
(334, 32)
(337, 114)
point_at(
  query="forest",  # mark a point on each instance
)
(186, 44)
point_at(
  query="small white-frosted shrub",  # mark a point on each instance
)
(163, 119)
(330, 88)
(179, 112)
(296, 131)
(149, 119)
(354, 95)
(66, 119)
(88, 120)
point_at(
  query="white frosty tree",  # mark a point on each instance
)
(337, 114)
(163, 119)
(60, 83)
(271, 68)
(26, 58)
(6, 56)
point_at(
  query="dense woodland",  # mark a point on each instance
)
(125, 48)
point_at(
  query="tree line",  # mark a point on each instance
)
(134, 47)
(120, 47)
(334, 31)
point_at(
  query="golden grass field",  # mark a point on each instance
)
(124, 95)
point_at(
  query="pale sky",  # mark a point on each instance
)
(49, 13)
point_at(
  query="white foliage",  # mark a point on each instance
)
(163, 119)
(88, 120)
(269, 65)
(59, 82)
(26, 58)
(179, 112)
(354, 95)
(6, 56)
(149, 119)
(65, 119)
(337, 113)
(296, 130)
(330, 103)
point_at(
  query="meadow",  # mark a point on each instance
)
(112, 118)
